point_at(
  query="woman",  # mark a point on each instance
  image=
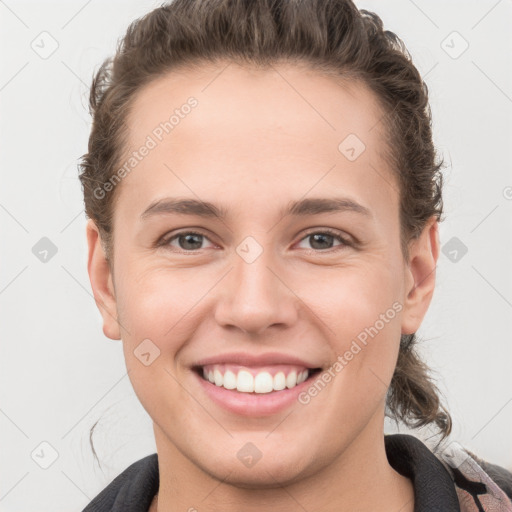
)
(263, 198)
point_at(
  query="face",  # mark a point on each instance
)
(294, 264)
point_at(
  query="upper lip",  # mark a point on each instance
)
(245, 359)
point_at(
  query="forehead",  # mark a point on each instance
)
(285, 125)
(290, 97)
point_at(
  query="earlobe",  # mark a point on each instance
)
(420, 277)
(100, 276)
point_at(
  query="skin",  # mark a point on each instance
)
(258, 139)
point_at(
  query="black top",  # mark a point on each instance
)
(434, 487)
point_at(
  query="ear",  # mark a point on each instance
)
(101, 281)
(420, 276)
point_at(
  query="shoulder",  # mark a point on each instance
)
(480, 485)
(132, 490)
(449, 477)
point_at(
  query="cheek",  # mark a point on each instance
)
(352, 298)
(361, 316)
(155, 302)
(156, 309)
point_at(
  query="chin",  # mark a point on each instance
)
(272, 466)
(262, 476)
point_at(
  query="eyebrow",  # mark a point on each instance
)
(303, 207)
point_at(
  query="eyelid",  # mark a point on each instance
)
(346, 241)
(166, 239)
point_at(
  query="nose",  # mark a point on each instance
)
(256, 296)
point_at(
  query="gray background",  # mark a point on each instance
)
(59, 374)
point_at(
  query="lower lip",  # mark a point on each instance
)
(253, 404)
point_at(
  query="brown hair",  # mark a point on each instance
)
(330, 36)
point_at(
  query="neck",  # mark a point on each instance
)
(361, 478)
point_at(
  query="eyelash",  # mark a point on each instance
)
(165, 242)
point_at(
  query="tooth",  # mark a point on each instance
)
(263, 383)
(291, 380)
(218, 377)
(245, 382)
(302, 376)
(279, 381)
(229, 380)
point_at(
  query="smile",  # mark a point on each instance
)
(256, 380)
(254, 391)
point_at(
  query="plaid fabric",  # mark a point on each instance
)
(476, 481)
